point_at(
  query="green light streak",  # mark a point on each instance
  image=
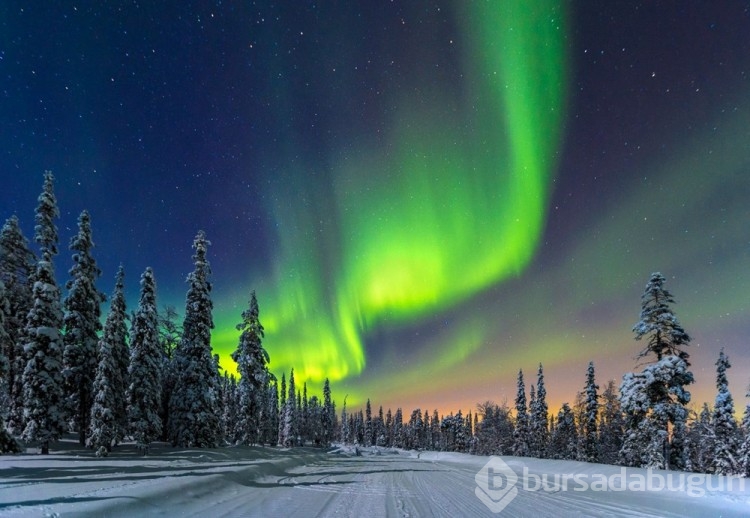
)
(454, 202)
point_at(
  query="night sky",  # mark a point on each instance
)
(426, 196)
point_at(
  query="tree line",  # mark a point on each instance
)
(644, 423)
(140, 377)
(145, 377)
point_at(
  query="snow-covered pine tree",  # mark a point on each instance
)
(170, 334)
(678, 448)
(194, 418)
(564, 440)
(103, 425)
(611, 426)
(270, 426)
(115, 333)
(252, 366)
(144, 391)
(368, 424)
(282, 410)
(44, 411)
(521, 431)
(380, 428)
(229, 407)
(725, 430)
(7, 443)
(701, 442)
(345, 430)
(635, 405)
(291, 422)
(590, 451)
(17, 265)
(304, 415)
(109, 419)
(398, 428)
(662, 384)
(328, 414)
(81, 318)
(539, 418)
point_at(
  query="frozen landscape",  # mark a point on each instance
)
(254, 481)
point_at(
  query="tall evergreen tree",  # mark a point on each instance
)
(170, 334)
(369, 439)
(521, 431)
(328, 414)
(229, 407)
(290, 416)
(194, 406)
(7, 443)
(590, 440)
(564, 440)
(145, 360)
(252, 366)
(82, 324)
(115, 333)
(611, 426)
(702, 441)
(655, 399)
(103, 423)
(282, 410)
(44, 412)
(271, 422)
(17, 265)
(725, 430)
(539, 418)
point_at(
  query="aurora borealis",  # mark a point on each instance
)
(426, 197)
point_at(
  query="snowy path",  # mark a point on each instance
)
(307, 482)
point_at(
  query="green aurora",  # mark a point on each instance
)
(456, 205)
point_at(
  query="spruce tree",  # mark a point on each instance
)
(611, 426)
(145, 361)
(271, 422)
(655, 399)
(699, 442)
(115, 333)
(82, 324)
(44, 410)
(17, 265)
(590, 440)
(328, 414)
(170, 334)
(282, 411)
(7, 443)
(564, 439)
(539, 418)
(103, 426)
(252, 366)
(725, 430)
(290, 416)
(369, 437)
(521, 431)
(194, 405)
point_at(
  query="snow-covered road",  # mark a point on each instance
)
(310, 482)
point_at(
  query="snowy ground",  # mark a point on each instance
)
(310, 482)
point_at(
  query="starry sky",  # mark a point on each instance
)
(426, 196)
